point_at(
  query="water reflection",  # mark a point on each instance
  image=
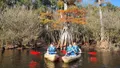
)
(3, 50)
(49, 64)
(106, 58)
(75, 64)
(92, 57)
(33, 64)
(37, 58)
(64, 65)
(24, 59)
(2, 55)
(27, 53)
(36, 55)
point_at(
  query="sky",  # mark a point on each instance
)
(115, 2)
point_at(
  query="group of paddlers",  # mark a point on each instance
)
(72, 49)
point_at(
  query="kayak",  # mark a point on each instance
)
(50, 57)
(67, 59)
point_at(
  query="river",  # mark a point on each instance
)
(24, 59)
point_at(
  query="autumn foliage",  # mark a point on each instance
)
(73, 15)
(46, 17)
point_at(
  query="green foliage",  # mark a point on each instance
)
(53, 2)
(1, 3)
(60, 4)
(111, 7)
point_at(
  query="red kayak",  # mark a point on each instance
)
(34, 52)
(92, 53)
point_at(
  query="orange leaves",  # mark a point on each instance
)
(73, 15)
(46, 15)
(79, 0)
(46, 18)
(45, 21)
(78, 20)
(74, 20)
(74, 11)
(57, 26)
(61, 11)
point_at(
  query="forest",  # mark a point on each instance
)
(27, 23)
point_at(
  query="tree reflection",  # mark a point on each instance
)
(3, 50)
(2, 55)
(64, 65)
(106, 58)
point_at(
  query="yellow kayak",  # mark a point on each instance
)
(50, 57)
(68, 59)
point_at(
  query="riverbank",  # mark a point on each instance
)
(104, 46)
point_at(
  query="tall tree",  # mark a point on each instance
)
(100, 2)
(70, 14)
(62, 21)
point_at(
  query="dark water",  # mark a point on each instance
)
(24, 59)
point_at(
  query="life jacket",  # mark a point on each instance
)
(51, 50)
(76, 48)
(70, 50)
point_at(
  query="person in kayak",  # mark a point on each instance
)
(76, 48)
(52, 49)
(70, 51)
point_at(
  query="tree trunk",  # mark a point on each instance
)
(101, 22)
(65, 6)
(66, 36)
(3, 43)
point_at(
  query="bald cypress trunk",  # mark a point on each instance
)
(65, 5)
(101, 22)
(66, 36)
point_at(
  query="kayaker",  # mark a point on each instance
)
(76, 48)
(51, 49)
(70, 51)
